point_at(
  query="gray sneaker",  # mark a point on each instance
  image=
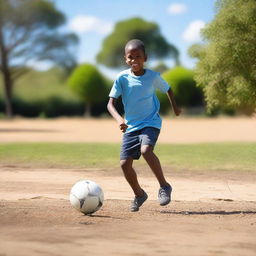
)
(138, 201)
(164, 195)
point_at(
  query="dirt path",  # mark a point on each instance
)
(174, 130)
(211, 214)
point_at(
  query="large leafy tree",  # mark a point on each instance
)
(112, 51)
(226, 65)
(29, 33)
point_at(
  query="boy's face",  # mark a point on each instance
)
(135, 58)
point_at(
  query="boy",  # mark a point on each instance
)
(142, 122)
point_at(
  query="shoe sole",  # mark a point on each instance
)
(163, 204)
(167, 202)
(137, 209)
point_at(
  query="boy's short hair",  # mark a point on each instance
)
(135, 44)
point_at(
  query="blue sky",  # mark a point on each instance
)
(179, 21)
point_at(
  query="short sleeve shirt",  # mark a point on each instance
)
(141, 105)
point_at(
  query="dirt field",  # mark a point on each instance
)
(174, 130)
(212, 213)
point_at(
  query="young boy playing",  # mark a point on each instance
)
(142, 123)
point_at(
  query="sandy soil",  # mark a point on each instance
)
(174, 130)
(212, 213)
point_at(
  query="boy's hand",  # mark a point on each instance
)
(112, 110)
(123, 126)
(177, 111)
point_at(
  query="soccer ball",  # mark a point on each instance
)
(86, 196)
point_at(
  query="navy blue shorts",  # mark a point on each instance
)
(133, 141)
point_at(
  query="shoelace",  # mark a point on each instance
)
(137, 199)
(162, 192)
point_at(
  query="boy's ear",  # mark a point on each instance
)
(125, 60)
(146, 57)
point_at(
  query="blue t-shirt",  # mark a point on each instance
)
(141, 105)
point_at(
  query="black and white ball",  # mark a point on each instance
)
(86, 196)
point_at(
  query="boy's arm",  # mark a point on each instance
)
(112, 110)
(176, 109)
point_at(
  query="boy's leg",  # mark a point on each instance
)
(148, 138)
(164, 194)
(154, 164)
(131, 176)
(131, 150)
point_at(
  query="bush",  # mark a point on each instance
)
(56, 106)
(27, 108)
(88, 83)
(182, 82)
(53, 106)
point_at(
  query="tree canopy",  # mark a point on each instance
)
(226, 67)
(156, 45)
(29, 33)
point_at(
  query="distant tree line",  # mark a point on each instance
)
(92, 88)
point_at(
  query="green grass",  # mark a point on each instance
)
(213, 156)
(210, 156)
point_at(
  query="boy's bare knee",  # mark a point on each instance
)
(146, 150)
(123, 163)
(126, 163)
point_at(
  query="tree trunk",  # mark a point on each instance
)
(7, 78)
(8, 94)
(87, 112)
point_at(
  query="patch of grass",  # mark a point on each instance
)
(59, 154)
(219, 156)
(209, 156)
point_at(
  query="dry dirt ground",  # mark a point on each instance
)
(212, 213)
(174, 130)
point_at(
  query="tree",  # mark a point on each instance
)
(89, 84)
(29, 33)
(112, 51)
(226, 67)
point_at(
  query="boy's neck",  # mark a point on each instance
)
(139, 73)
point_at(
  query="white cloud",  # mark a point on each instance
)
(192, 32)
(83, 24)
(177, 8)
